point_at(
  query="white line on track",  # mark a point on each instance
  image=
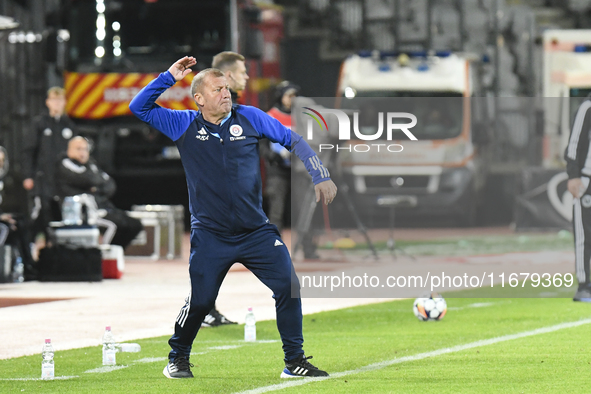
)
(420, 356)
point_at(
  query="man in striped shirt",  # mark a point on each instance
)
(578, 167)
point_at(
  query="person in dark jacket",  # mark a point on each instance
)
(220, 153)
(578, 168)
(13, 227)
(77, 174)
(278, 166)
(277, 158)
(48, 139)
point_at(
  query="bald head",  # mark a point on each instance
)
(78, 150)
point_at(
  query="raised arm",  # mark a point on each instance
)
(172, 123)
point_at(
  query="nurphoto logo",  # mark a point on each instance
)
(344, 129)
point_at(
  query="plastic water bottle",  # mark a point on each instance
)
(109, 347)
(18, 275)
(129, 347)
(47, 366)
(68, 213)
(250, 328)
(72, 211)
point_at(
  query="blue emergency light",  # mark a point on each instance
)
(581, 48)
(411, 54)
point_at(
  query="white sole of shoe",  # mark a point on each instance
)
(167, 374)
(288, 376)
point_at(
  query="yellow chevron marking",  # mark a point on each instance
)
(100, 110)
(95, 95)
(76, 96)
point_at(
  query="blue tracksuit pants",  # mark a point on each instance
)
(212, 255)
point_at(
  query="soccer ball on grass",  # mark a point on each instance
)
(430, 308)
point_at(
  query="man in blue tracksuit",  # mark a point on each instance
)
(220, 153)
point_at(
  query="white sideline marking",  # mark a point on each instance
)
(151, 359)
(56, 378)
(106, 368)
(226, 347)
(420, 356)
(111, 368)
(475, 305)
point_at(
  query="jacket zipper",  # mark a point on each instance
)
(229, 183)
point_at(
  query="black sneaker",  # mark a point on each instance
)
(300, 367)
(583, 294)
(215, 319)
(178, 368)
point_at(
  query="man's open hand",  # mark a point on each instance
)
(7, 218)
(180, 69)
(29, 184)
(575, 187)
(326, 190)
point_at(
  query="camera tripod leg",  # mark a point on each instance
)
(305, 218)
(391, 243)
(344, 189)
(309, 206)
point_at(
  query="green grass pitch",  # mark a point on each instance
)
(378, 348)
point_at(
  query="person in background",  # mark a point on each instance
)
(277, 158)
(278, 167)
(233, 66)
(578, 168)
(77, 174)
(13, 228)
(49, 138)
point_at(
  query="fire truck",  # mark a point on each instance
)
(444, 170)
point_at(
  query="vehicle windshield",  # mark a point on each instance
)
(136, 31)
(439, 114)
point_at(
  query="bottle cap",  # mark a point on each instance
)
(108, 328)
(250, 308)
(48, 341)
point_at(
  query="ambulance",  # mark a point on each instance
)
(444, 171)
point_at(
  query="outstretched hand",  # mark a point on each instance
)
(180, 69)
(326, 190)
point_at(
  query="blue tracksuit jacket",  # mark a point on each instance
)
(222, 162)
